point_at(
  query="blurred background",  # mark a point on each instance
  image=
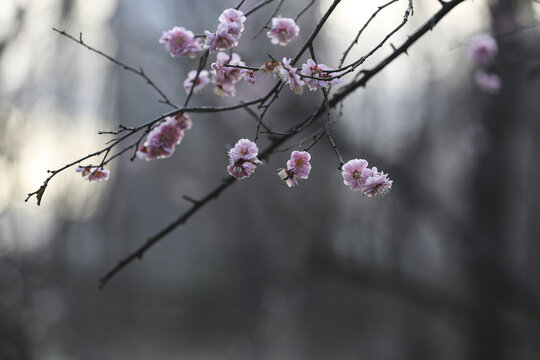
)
(444, 268)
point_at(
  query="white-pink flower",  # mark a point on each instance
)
(298, 167)
(289, 75)
(232, 16)
(377, 184)
(283, 31)
(488, 82)
(288, 177)
(220, 40)
(354, 175)
(359, 177)
(249, 76)
(180, 42)
(201, 82)
(98, 174)
(228, 32)
(244, 149)
(299, 164)
(482, 50)
(162, 140)
(241, 169)
(225, 77)
(273, 67)
(183, 121)
(317, 70)
(243, 159)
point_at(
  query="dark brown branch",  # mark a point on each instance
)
(196, 109)
(276, 142)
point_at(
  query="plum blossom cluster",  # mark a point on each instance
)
(298, 167)
(230, 28)
(243, 159)
(162, 140)
(288, 75)
(317, 70)
(482, 51)
(283, 30)
(180, 42)
(370, 182)
(96, 175)
(225, 77)
(202, 80)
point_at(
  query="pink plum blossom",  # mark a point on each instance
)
(201, 82)
(96, 175)
(318, 70)
(289, 75)
(371, 182)
(299, 164)
(377, 184)
(241, 169)
(243, 159)
(228, 32)
(273, 67)
(249, 76)
(298, 167)
(180, 42)
(227, 89)
(232, 16)
(183, 121)
(482, 50)
(162, 140)
(354, 175)
(488, 82)
(220, 40)
(288, 177)
(283, 31)
(225, 77)
(244, 149)
(99, 174)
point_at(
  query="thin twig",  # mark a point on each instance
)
(276, 142)
(355, 41)
(202, 64)
(328, 133)
(140, 72)
(304, 10)
(257, 7)
(269, 19)
(241, 3)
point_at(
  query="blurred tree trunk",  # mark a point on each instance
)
(490, 225)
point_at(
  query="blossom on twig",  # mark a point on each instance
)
(288, 75)
(370, 182)
(283, 31)
(243, 159)
(298, 167)
(180, 42)
(99, 174)
(228, 32)
(162, 140)
(202, 81)
(317, 70)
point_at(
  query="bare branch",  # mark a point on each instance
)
(139, 72)
(278, 141)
